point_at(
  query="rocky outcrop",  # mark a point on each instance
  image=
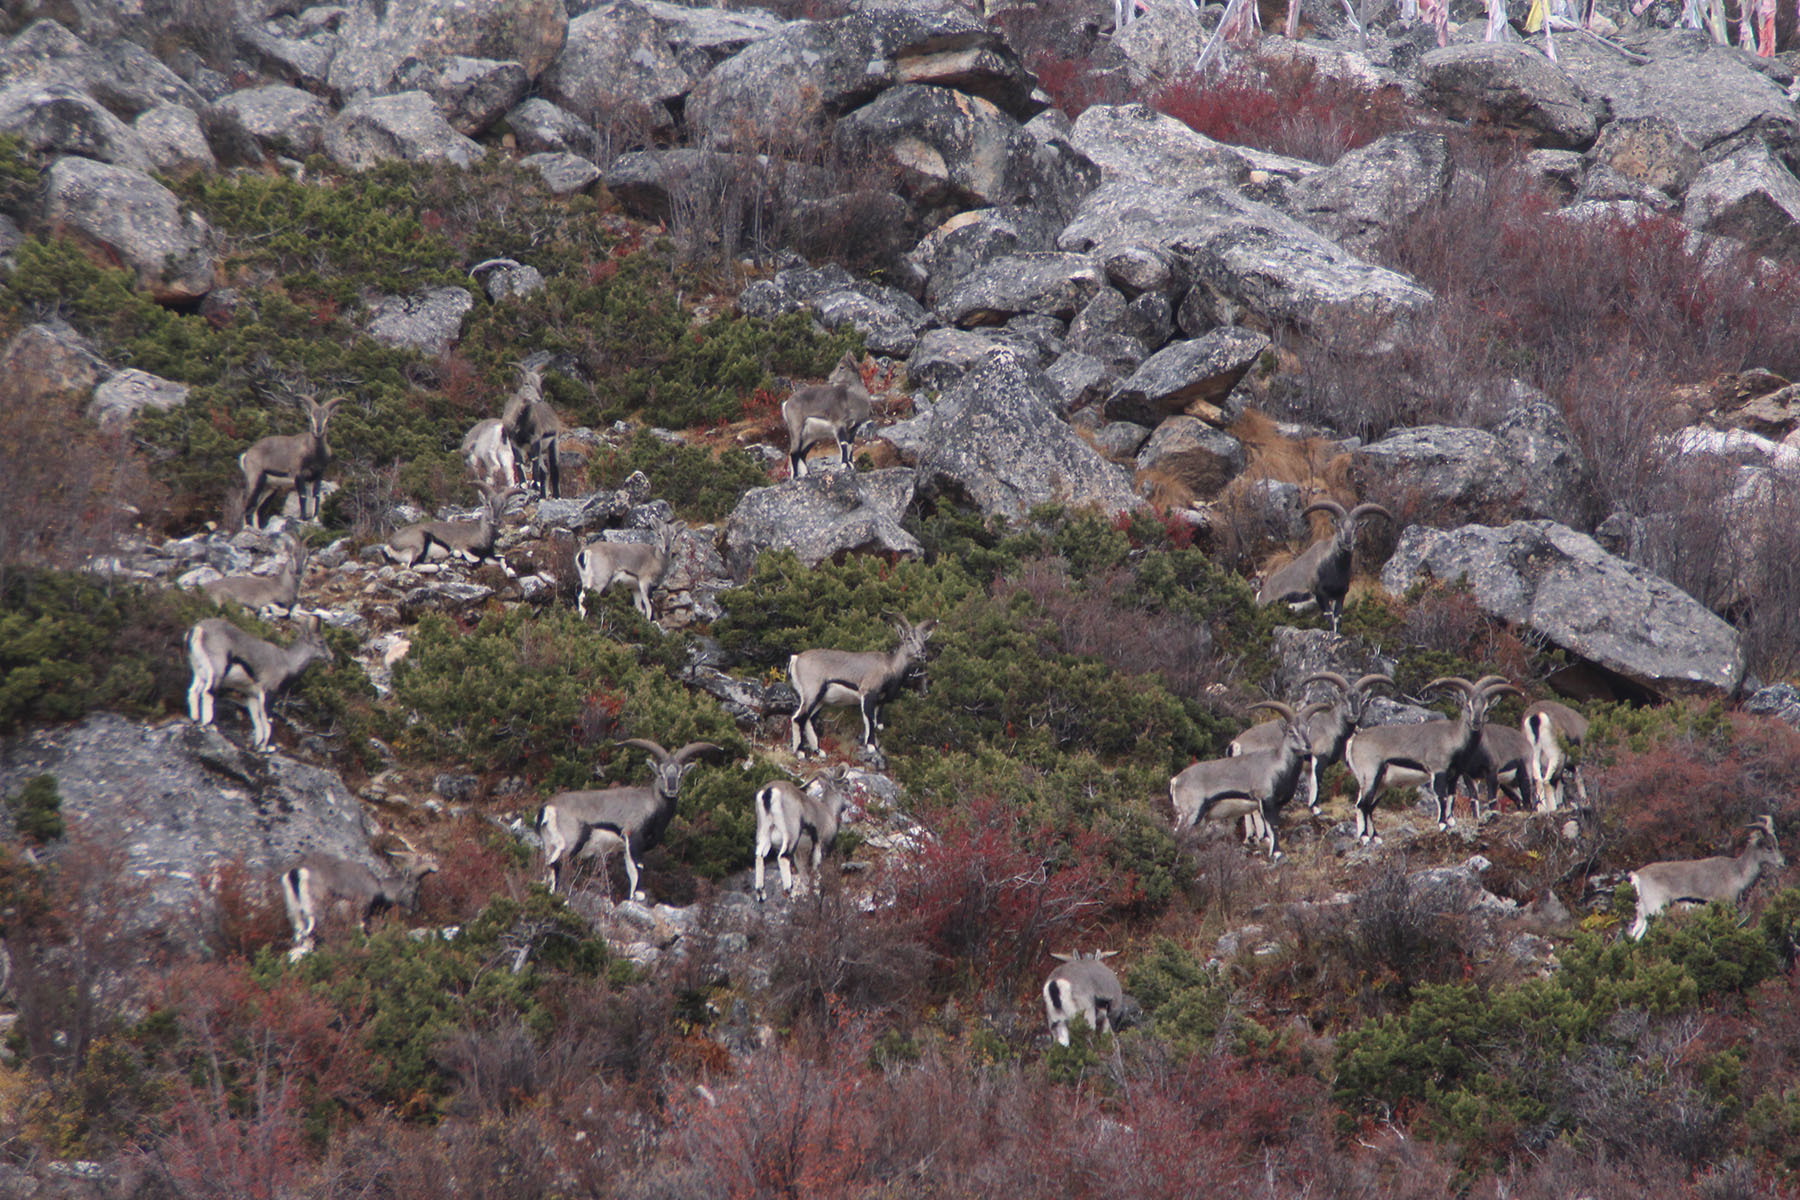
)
(1374, 189)
(378, 37)
(283, 120)
(59, 119)
(1561, 585)
(1749, 196)
(472, 93)
(1252, 264)
(1650, 151)
(194, 802)
(1514, 87)
(406, 127)
(1196, 455)
(997, 439)
(1193, 376)
(429, 322)
(820, 516)
(955, 151)
(616, 61)
(1135, 142)
(129, 214)
(889, 320)
(1051, 284)
(173, 139)
(129, 392)
(952, 251)
(538, 127)
(48, 359)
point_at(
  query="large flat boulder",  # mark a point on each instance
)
(1197, 373)
(1251, 264)
(404, 127)
(379, 37)
(1561, 585)
(617, 57)
(1750, 196)
(821, 516)
(998, 440)
(135, 218)
(60, 119)
(1511, 86)
(191, 802)
(1374, 189)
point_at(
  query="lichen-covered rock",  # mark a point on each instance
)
(820, 516)
(1193, 376)
(1560, 584)
(942, 356)
(1135, 142)
(1650, 151)
(282, 119)
(946, 256)
(173, 139)
(48, 359)
(429, 322)
(59, 119)
(1200, 457)
(1709, 92)
(1510, 86)
(195, 803)
(539, 127)
(955, 151)
(563, 174)
(1374, 189)
(507, 278)
(1054, 284)
(406, 127)
(130, 391)
(1248, 260)
(616, 58)
(379, 36)
(472, 93)
(118, 73)
(1749, 196)
(131, 215)
(1529, 467)
(998, 440)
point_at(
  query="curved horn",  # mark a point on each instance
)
(1455, 681)
(1370, 680)
(651, 748)
(1316, 707)
(1488, 681)
(1331, 506)
(1331, 677)
(1764, 824)
(694, 750)
(1363, 510)
(1275, 706)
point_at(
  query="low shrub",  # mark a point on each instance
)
(701, 485)
(1285, 105)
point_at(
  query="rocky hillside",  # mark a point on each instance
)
(1511, 314)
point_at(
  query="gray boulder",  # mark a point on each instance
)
(1780, 700)
(1161, 44)
(1194, 376)
(1374, 189)
(998, 440)
(429, 322)
(787, 85)
(615, 59)
(48, 359)
(956, 152)
(1651, 151)
(888, 318)
(1052, 283)
(290, 48)
(136, 218)
(820, 516)
(195, 802)
(118, 73)
(1196, 455)
(1511, 86)
(1447, 475)
(563, 174)
(1246, 258)
(942, 356)
(1561, 585)
(539, 127)
(1121, 333)
(58, 119)
(507, 278)
(1711, 93)
(1135, 142)
(282, 119)
(472, 93)
(406, 127)
(1081, 380)
(173, 139)
(705, 37)
(1749, 196)
(379, 36)
(130, 391)
(945, 256)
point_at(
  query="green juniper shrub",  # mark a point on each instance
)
(1184, 1001)
(406, 996)
(546, 692)
(701, 485)
(18, 175)
(37, 810)
(71, 644)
